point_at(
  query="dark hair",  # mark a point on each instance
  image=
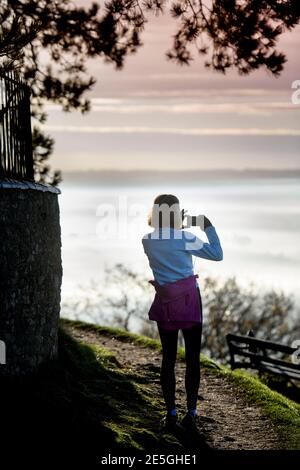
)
(169, 200)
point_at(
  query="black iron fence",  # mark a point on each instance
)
(16, 161)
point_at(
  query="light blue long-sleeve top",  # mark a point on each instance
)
(170, 252)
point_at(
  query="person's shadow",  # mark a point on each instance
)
(191, 439)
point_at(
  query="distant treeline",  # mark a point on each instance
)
(108, 177)
(228, 308)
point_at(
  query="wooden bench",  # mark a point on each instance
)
(252, 353)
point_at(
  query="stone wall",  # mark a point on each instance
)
(30, 276)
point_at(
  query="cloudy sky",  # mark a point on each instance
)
(157, 115)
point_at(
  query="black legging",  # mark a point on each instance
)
(192, 340)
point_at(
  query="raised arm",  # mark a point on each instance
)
(211, 250)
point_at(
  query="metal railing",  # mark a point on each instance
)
(16, 160)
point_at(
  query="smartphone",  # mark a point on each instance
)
(193, 220)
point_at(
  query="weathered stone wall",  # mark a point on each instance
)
(30, 277)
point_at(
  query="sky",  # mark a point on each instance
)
(157, 115)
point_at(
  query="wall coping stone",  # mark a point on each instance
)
(7, 183)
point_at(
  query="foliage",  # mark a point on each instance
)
(230, 308)
(51, 41)
(121, 301)
(125, 298)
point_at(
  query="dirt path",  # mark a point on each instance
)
(227, 421)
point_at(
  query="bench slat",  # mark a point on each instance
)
(261, 343)
(271, 360)
(281, 371)
(246, 346)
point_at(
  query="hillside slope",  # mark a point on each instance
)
(237, 411)
(102, 396)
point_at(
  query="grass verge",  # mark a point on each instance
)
(282, 412)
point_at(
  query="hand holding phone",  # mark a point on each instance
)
(196, 221)
(207, 222)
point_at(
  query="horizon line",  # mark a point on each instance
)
(215, 170)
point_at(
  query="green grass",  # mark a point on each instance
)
(117, 333)
(82, 406)
(127, 336)
(124, 406)
(281, 411)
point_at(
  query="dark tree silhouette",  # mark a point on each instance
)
(234, 33)
(50, 42)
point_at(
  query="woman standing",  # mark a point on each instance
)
(177, 303)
